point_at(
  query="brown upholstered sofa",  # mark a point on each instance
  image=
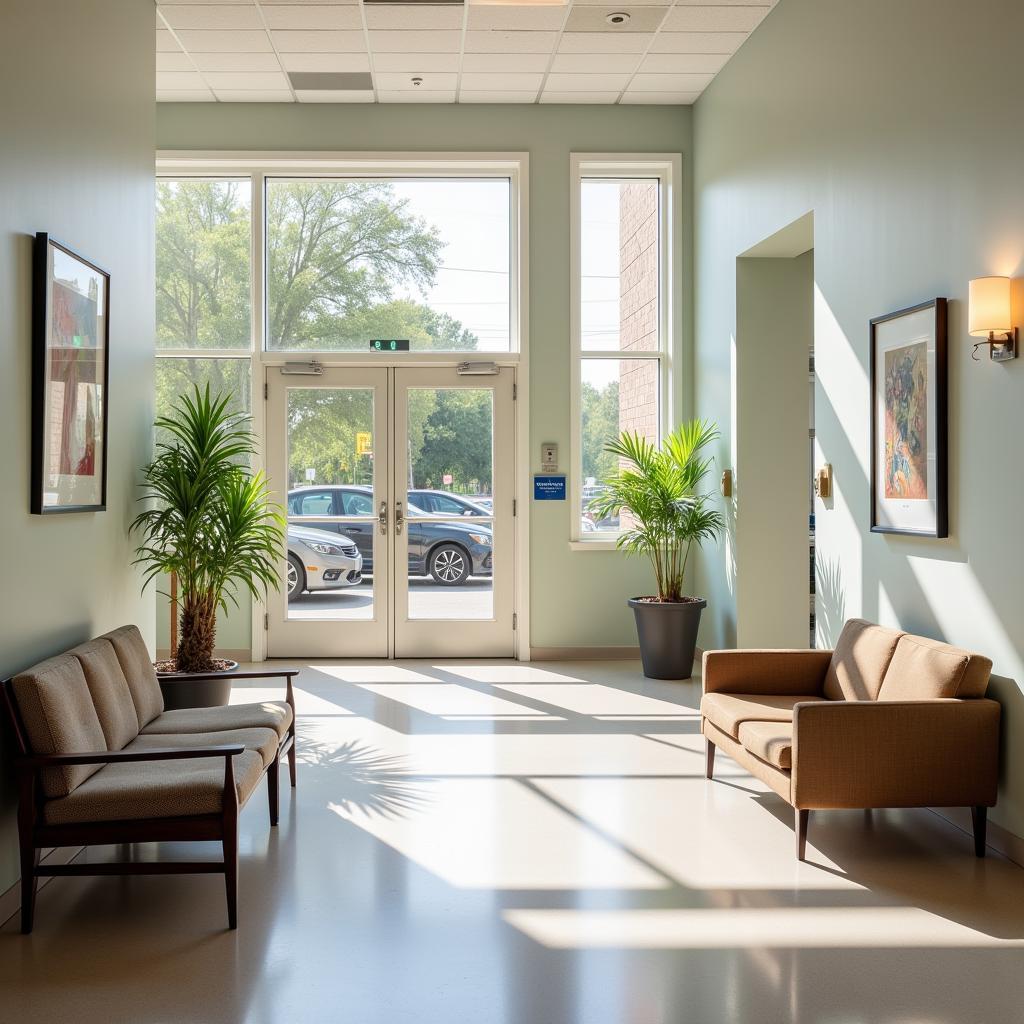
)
(101, 762)
(887, 719)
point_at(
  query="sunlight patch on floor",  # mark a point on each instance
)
(597, 699)
(449, 699)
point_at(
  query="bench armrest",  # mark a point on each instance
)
(928, 753)
(125, 756)
(777, 673)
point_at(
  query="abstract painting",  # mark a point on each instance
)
(908, 423)
(69, 371)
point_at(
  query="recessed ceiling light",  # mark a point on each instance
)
(617, 18)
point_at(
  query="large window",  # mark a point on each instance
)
(621, 318)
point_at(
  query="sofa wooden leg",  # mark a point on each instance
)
(979, 818)
(802, 818)
(709, 764)
(273, 788)
(291, 758)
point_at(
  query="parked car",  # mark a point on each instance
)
(451, 552)
(441, 503)
(321, 560)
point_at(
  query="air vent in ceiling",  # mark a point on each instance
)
(332, 81)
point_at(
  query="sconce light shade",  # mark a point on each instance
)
(989, 307)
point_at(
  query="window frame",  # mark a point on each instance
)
(667, 170)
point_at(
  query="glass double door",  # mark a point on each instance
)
(398, 488)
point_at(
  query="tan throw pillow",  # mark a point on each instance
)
(923, 669)
(862, 654)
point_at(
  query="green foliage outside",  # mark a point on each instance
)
(600, 412)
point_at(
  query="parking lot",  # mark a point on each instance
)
(427, 600)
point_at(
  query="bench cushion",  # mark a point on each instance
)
(263, 741)
(770, 741)
(923, 669)
(155, 789)
(859, 661)
(110, 693)
(138, 670)
(57, 710)
(729, 710)
(270, 714)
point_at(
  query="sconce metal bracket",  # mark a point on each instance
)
(1000, 350)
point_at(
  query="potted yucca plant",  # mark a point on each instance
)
(208, 520)
(655, 492)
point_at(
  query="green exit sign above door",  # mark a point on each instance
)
(389, 345)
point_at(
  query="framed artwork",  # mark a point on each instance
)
(909, 421)
(70, 338)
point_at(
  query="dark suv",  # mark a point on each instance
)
(450, 552)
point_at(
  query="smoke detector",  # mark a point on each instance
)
(416, 80)
(617, 18)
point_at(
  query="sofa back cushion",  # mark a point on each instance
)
(923, 669)
(859, 662)
(138, 672)
(59, 717)
(110, 693)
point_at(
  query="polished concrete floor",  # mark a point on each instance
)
(487, 842)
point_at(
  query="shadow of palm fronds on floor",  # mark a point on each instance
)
(363, 778)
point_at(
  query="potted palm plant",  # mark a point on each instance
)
(655, 492)
(208, 520)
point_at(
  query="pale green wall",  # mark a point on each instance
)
(898, 125)
(76, 159)
(577, 599)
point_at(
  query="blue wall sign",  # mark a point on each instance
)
(549, 488)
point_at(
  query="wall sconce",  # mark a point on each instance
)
(823, 481)
(726, 483)
(989, 317)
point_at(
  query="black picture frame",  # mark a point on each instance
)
(85, 364)
(911, 514)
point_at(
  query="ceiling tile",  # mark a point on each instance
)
(501, 81)
(318, 42)
(472, 96)
(669, 63)
(325, 61)
(248, 41)
(237, 62)
(698, 42)
(510, 42)
(193, 3)
(184, 96)
(675, 98)
(436, 81)
(165, 42)
(628, 7)
(592, 19)
(308, 3)
(601, 42)
(669, 83)
(505, 61)
(586, 83)
(309, 17)
(595, 62)
(421, 17)
(254, 95)
(264, 81)
(579, 97)
(174, 62)
(216, 16)
(724, 3)
(715, 19)
(416, 62)
(179, 80)
(417, 96)
(329, 96)
(415, 42)
(521, 18)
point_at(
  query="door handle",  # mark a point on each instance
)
(382, 517)
(399, 518)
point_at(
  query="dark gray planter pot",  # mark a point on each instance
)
(188, 690)
(668, 636)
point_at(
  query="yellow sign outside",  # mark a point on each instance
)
(364, 442)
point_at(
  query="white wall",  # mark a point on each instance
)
(898, 125)
(76, 160)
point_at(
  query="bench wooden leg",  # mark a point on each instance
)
(29, 853)
(979, 818)
(229, 841)
(802, 818)
(273, 788)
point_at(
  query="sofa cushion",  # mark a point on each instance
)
(110, 694)
(262, 741)
(156, 789)
(138, 671)
(923, 669)
(57, 710)
(770, 741)
(729, 710)
(270, 714)
(861, 656)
